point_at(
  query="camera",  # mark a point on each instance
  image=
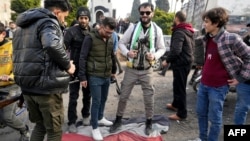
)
(144, 40)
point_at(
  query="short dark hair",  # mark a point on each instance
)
(109, 21)
(146, 4)
(2, 27)
(64, 5)
(217, 15)
(181, 16)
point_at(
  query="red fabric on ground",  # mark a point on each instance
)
(122, 136)
(75, 137)
(128, 136)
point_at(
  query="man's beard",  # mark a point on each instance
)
(84, 26)
(145, 22)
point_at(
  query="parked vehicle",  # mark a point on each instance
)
(158, 63)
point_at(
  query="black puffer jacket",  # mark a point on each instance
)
(181, 46)
(40, 59)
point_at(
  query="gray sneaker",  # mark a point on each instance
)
(72, 128)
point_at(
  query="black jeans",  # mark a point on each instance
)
(179, 90)
(73, 96)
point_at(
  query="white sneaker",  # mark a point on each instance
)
(86, 121)
(105, 122)
(197, 139)
(72, 128)
(97, 134)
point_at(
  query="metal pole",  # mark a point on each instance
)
(172, 6)
(193, 12)
(92, 12)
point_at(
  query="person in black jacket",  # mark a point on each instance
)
(181, 58)
(73, 41)
(246, 39)
(42, 67)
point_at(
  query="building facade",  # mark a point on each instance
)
(100, 8)
(239, 12)
(5, 12)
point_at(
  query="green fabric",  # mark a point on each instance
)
(137, 31)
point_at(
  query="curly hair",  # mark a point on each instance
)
(216, 15)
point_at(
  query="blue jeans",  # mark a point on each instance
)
(243, 103)
(209, 108)
(99, 87)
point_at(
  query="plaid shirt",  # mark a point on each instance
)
(234, 53)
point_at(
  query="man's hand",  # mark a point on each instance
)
(199, 67)
(84, 84)
(132, 53)
(150, 56)
(164, 63)
(5, 77)
(232, 82)
(72, 68)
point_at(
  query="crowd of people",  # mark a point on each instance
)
(43, 63)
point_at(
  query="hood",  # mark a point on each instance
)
(186, 26)
(30, 16)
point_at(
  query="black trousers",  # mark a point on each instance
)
(180, 75)
(73, 96)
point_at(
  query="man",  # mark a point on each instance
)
(12, 28)
(73, 41)
(115, 41)
(228, 56)
(181, 58)
(146, 45)
(242, 106)
(42, 67)
(95, 62)
(7, 87)
(246, 39)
